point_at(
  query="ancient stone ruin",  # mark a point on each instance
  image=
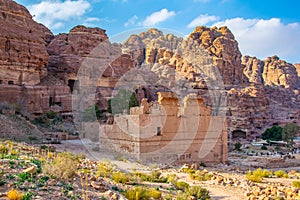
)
(165, 132)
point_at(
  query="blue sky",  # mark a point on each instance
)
(262, 28)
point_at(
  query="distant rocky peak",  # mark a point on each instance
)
(271, 72)
(83, 29)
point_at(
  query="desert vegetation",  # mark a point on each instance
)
(28, 172)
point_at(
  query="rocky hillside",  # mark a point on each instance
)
(271, 72)
(259, 93)
(23, 54)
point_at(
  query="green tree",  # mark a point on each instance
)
(91, 112)
(289, 132)
(237, 146)
(273, 133)
(124, 100)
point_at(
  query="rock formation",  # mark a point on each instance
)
(221, 45)
(259, 93)
(271, 72)
(44, 68)
(68, 51)
(297, 66)
(23, 55)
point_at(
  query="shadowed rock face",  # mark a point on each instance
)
(68, 51)
(23, 55)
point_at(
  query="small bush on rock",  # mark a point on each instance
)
(281, 174)
(296, 184)
(63, 166)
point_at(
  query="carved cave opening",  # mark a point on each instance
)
(239, 134)
(71, 84)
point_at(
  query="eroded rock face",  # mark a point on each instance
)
(217, 45)
(68, 52)
(260, 94)
(271, 72)
(297, 66)
(23, 55)
(222, 46)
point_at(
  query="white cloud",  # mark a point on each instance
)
(54, 12)
(131, 21)
(92, 19)
(95, 21)
(202, 20)
(265, 37)
(158, 17)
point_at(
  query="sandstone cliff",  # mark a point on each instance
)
(68, 51)
(271, 72)
(259, 93)
(23, 55)
(297, 66)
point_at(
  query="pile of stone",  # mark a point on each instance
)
(271, 191)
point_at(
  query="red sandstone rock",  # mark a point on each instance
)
(272, 71)
(23, 55)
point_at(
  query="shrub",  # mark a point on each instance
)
(154, 176)
(104, 170)
(180, 185)
(258, 175)
(199, 192)
(120, 177)
(182, 195)
(255, 176)
(42, 121)
(27, 196)
(266, 173)
(264, 147)
(2, 182)
(281, 174)
(14, 195)
(171, 178)
(273, 133)
(142, 194)
(201, 176)
(3, 149)
(237, 146)
(296, 184)
(124, 100)
(51, 114)
(154, 193)
(62, 167)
